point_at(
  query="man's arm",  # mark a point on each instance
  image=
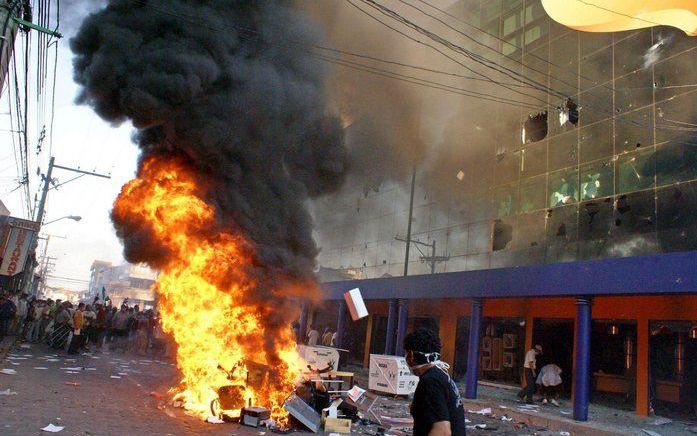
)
(440, 428)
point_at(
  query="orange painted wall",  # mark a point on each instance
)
(642, 309)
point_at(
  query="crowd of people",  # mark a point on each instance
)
(82, 327)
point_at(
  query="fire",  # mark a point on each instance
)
(206, 293)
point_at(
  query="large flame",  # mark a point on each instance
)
(206, 292)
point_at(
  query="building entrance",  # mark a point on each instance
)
(557, 339)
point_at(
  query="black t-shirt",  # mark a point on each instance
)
(437, 399)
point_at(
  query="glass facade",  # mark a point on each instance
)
(621, 182)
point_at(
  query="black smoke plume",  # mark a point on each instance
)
(229, 86)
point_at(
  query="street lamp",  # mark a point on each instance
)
(70, 217)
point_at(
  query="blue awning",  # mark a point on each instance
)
(668, 273)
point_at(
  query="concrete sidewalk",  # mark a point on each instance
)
(558, 420)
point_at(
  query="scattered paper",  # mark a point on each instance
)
(52, 428)
(71, 384)
(72, 369)
(662, 421)
(650, 433)
(122, 373)
(8, 371)
(72, 372)
(114, 376)
(7, 392)
(40, 367)
(52, 360)
(460, 175)
(564, 433)
(14, 363)
(485, 411)
(214, 420)
(16, 358)
(355, 393)
(501, 406)
(25, 346)
(476, 426)
(564, 412)
(506, 419)
(90, 369)
(467, 421)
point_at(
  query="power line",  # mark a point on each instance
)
(587, 3)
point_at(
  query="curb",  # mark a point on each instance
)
(550, 422)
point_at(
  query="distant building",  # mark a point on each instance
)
(4, 211)
(121, 282)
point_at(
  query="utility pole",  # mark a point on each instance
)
(48, 180)
(411, 212)
(432, 259)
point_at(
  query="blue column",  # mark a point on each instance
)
(473, 349)
(391, 321)
(340, 324)
(403, 314)
(302, 330)
(582, 376)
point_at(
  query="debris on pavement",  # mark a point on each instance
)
(650, 432)
(214, 420)
(662, 421)
(52, 428)
(485, 411)
(7, 392)
(8, 371)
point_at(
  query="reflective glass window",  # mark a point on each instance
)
(506, 199)
(634, 130)
(563, 150)
(636, 171)
(676, 161)
(533, 193)
(596, 180)
(596, 141)
(563, 187)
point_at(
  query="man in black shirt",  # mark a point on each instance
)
(437, 406)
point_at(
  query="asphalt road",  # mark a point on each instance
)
(117, 394)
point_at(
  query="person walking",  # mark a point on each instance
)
(34, 320)
(437, 407)
(530, 372)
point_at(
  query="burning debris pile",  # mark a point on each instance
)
(234, 135)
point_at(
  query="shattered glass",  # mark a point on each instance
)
(563, 187)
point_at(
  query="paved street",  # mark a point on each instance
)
(108, 394)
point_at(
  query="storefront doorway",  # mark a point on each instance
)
(557, 339)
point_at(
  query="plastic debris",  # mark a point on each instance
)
(52, 428)
(214, 420)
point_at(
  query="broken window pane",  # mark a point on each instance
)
(533, 193)
(502, 233)
(562, 233)
(506, 200)
(635, 213)
(636, 171)
(676, 161)
(677, 217)
(563, 187)
(596, 141)
(597, 180)
(595, 220)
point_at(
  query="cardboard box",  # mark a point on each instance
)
(337, 425)
(319, 357)
(391, 374)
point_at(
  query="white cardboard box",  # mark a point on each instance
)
(391, 374)
(319, 357)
